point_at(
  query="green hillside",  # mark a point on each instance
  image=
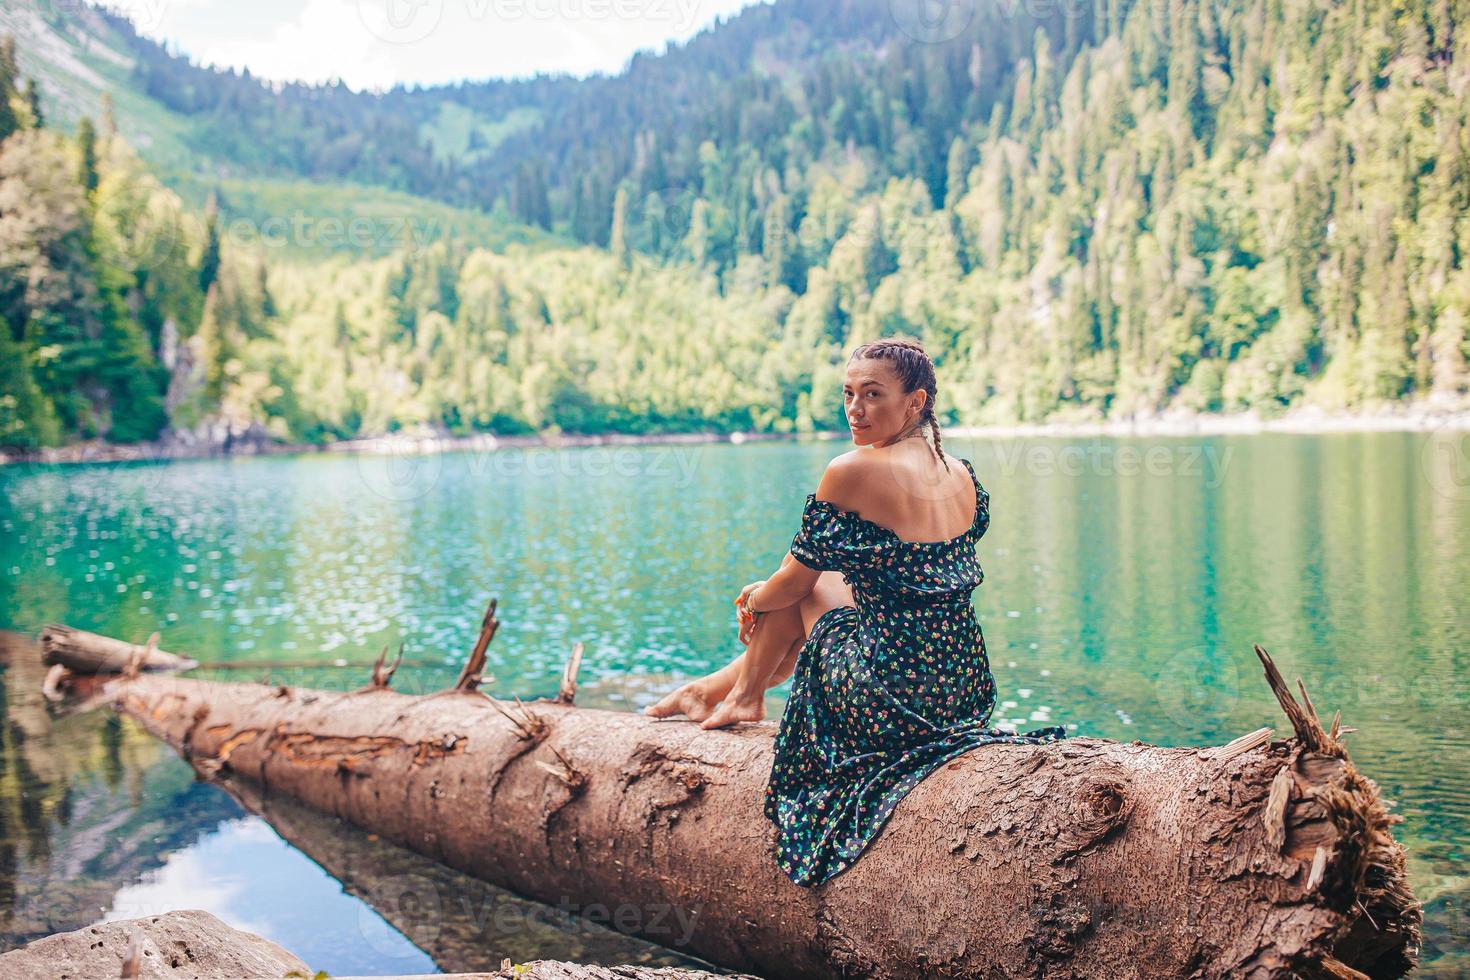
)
(88, 63)
(1112, 212)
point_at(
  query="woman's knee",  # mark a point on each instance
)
(833, 588)
(830, 592)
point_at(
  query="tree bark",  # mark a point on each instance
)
(1080, 858)
(189, 943)
(90, 653)
(193, 943)
(464, 925)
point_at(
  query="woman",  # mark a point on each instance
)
(872, 613)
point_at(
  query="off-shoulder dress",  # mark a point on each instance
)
(884, 691)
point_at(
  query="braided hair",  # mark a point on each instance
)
(915, 370)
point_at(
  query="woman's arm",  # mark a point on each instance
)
(793, 581)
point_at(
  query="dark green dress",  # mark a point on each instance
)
(884, 692)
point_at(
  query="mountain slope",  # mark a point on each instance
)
(1204, 208)
(793, 84)
(91, 63)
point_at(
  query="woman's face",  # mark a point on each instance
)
(876, 406)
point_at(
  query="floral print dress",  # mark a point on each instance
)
(884, 692)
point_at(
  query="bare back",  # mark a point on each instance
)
(907, 490)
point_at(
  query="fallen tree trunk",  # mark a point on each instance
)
(193, 943)
(91, 653)
(189, 942)
(1080, 858)
(463, 924)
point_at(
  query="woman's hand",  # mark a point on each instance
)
(746, 620)
(745, 592)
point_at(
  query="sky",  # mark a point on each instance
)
(374, 44)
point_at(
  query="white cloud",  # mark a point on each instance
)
(188, 880)
(377, 43)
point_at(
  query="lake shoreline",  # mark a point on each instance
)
(1412, 419)
(1305, 421)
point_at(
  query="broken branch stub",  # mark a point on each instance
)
(470, 677)
(1303, 720)
(567, 693)
(383, 674)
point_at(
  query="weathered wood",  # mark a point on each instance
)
(187, 943)
(567, 692)
(1245, 743)
(557, 970)
(383, 671)
(83, 653)
(471, 675)
(1080, 858)
(90, 653)
(560, 970)
(194, 943)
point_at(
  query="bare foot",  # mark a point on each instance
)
(732, 710)
(694, 699)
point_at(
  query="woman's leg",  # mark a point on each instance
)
(746, 699)
(698, 698)
(787, 666)
(775, 635)
(770, 644)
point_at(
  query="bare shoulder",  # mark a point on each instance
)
(955, 463)
(849, 464)
(950, 461)
(842, 479)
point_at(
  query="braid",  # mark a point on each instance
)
(915, 370)
(938, 446)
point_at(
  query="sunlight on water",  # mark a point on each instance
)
(1126, 580)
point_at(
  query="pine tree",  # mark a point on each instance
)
(9, 121)
(956, 168)
(774, 247)
(267, 301)
(618, 234)
(87, 146)
(697, 241)
(209, 262)
(33, 100)
(27, 420)
(107, 120)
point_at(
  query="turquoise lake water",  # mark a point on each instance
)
(1126, 580)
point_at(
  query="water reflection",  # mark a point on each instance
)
(247, 876)
(100, 821)
(462, 924)
(1126, 580)
(87, 802)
